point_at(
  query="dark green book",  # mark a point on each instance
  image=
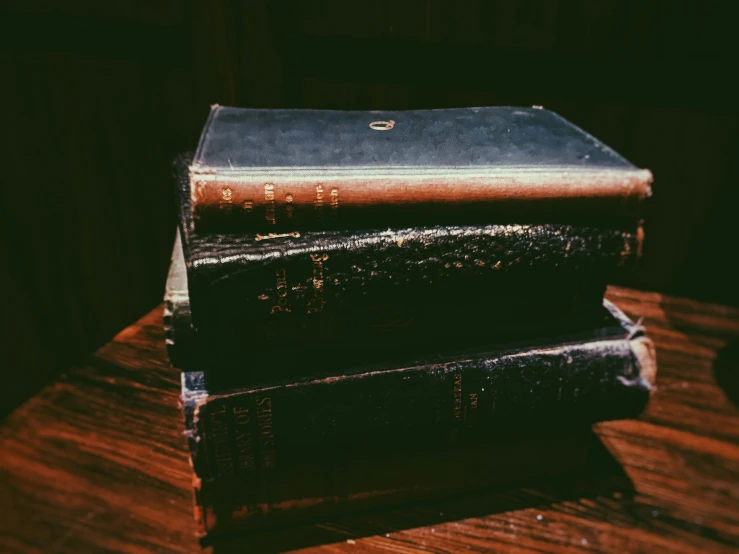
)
(271, 171)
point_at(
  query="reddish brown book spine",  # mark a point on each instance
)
(277, 169)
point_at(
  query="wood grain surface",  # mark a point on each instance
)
(96, 462)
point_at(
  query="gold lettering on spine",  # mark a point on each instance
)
(244, 439)
(334, 199)
(269, 203)
(317, 303)
(471, 417)
(294, 234)
(225, 203)
(289, 206)
(457, 397)
(266, 432)
(318, 202)
(281, 290)
(220, 440)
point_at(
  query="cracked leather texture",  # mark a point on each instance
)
(399, 331)
(240, 277)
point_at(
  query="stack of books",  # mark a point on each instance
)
(357, 299)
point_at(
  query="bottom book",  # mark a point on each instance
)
(404, 485)
(303, 449)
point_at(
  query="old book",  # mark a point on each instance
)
(431, 481)
(390, 325)
(329, 273)
(277, 170)
(311, 449)
(253, 431)
(332, 285)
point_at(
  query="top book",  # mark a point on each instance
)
(266, 170)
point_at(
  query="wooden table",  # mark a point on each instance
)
(97, 462)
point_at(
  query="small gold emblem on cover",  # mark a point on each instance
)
(382, 125)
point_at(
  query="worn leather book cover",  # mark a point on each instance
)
(277, 170)
(473, 393)
(328, 487)
(323, 275)
(316, 447)
(390, 324)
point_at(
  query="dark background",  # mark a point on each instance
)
(98, 96)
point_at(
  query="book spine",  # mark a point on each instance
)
(384, 329)
(374, 333)
(326, 485)
(301, 199)
(304, 277)
(251, 433)
(286, 453)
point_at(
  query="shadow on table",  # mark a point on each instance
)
(726, 370)
(387, 492)
(688, 317)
